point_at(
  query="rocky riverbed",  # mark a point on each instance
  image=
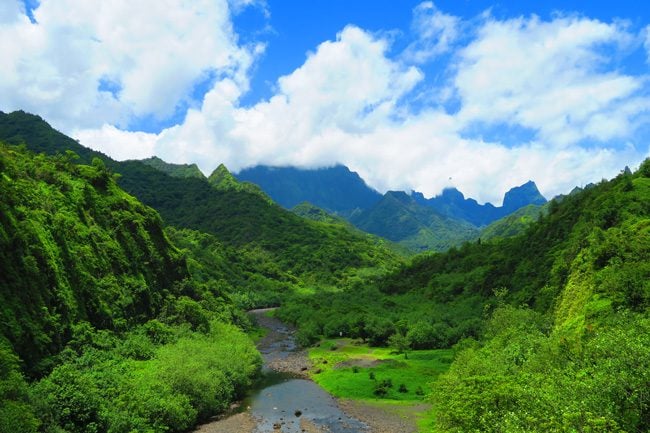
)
(271, 408)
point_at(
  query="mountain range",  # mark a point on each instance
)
(410, 220)
(114, 273)
(414, 221)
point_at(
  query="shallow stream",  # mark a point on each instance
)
(282, 400)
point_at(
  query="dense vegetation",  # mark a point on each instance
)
(98, 310)
(99, 307)
(99, 303)
(249, 277)
(513, 224)
(399, 218)
(73, 247)
(313, 251)
(556, 319)
(239, 215)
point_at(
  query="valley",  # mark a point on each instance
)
(124, 287)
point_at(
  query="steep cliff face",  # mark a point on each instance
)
(74, 247)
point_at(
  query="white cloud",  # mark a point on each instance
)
(238, 6)
(347, 86)
(549, 76)
(117, 143)
(435, 31)
(348, 103)
(151, 52)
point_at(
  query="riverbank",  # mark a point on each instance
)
(282, 357)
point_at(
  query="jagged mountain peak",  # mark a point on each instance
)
(221, 175)
(522, 195)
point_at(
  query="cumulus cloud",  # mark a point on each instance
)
(552, 77)
(349, 102)
(83, 64)
(119, 144)
(347, 87)
(11, 11)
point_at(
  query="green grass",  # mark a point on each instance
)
(346, 367)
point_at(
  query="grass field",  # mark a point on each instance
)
(348, 369)
(379, 376)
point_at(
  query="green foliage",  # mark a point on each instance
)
(249, 276)
(523, 379)
(362, 311)
(592, 243)
(312, 251)
(564, 361)
(400, 343)
(156, 388)
(309, 211)
(97, 303)
(399, 218)
(237, 214)
(16, 412)
(361, 372)
(73, 246)
(514, 224)
(223, 180)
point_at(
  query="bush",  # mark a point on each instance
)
(142, 386)
(308, 335)
(70, 398)
(380, 390)
(16, 412)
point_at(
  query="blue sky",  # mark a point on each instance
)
(410, 94)
(295, 28)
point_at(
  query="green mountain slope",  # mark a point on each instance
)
(587, 356)
(514, 224)
(74, 247)
(223, 180)
(98, 308)
(535, 267)
(239, 217)
(309, 211)
(399, 218)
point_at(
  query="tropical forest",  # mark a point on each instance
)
(265, 216)
(125, 290)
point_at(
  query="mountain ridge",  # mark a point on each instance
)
(399, 218)
(335, 189)
(329, 188)
(237, 216)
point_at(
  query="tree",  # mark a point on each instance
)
(400, 343)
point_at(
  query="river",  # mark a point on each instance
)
(285, 400)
